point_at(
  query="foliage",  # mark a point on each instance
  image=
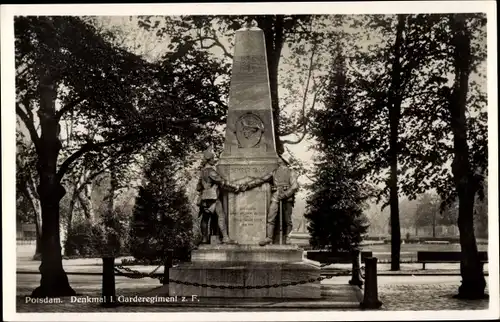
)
(335, 208)
(106, 234)
(428, 149)
(24, 210)
(427, 210)
(84, 239)
(162, 216)
(26, 196)
(116, 232)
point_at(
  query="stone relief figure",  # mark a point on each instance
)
(284, 185)
(209, 203)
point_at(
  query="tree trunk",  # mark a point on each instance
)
(434, 225)
(54, 281)
(72, 203)
(85, 199)
(394, 116)
(38, 225)
(30, 193)
(473, 282)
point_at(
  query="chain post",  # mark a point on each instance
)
(108, 282)
(168, 264)
(370, 298)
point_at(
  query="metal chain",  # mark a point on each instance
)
(138, 275)
(131, 273)
(311, 280)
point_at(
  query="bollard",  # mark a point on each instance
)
(370, 299)
(356, 267)
(108, 282)
(168, 264)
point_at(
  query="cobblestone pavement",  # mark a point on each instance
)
(396, 292)
(419, 297)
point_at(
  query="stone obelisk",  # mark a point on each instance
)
(249, 148)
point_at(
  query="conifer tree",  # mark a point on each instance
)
(335, 209)
(162, 217)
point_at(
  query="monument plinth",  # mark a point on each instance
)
(249, 153)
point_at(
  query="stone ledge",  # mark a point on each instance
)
(247, 253)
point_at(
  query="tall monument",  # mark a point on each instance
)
(249, 148)
(247, 269)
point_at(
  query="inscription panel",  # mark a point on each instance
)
(247, 215)
(250, 64)
(250, 69)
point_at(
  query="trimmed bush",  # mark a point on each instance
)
(84, 239)
(108, 236)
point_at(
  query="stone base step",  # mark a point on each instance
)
(239, 277)
(332, 297)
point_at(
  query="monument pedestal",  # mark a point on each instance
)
(242, 268)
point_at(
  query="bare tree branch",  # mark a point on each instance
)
(306, 119)
(93, 146)
(90, 146)
(216, 42)
(302, 123)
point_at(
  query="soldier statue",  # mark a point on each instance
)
(284, 185)
(211, 209)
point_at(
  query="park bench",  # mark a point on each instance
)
(334, 257)
(437, 242)
(445, 257)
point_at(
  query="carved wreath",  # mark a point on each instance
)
(249, 130)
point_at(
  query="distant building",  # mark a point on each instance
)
(26, 231)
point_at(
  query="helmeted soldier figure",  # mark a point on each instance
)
(211, 209)
(284, 185)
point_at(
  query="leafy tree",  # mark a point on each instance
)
(447, 144)
(162, 216)
(467, 180)
(66, 69)
(335, 208)
(428, 212)
(408, 209)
